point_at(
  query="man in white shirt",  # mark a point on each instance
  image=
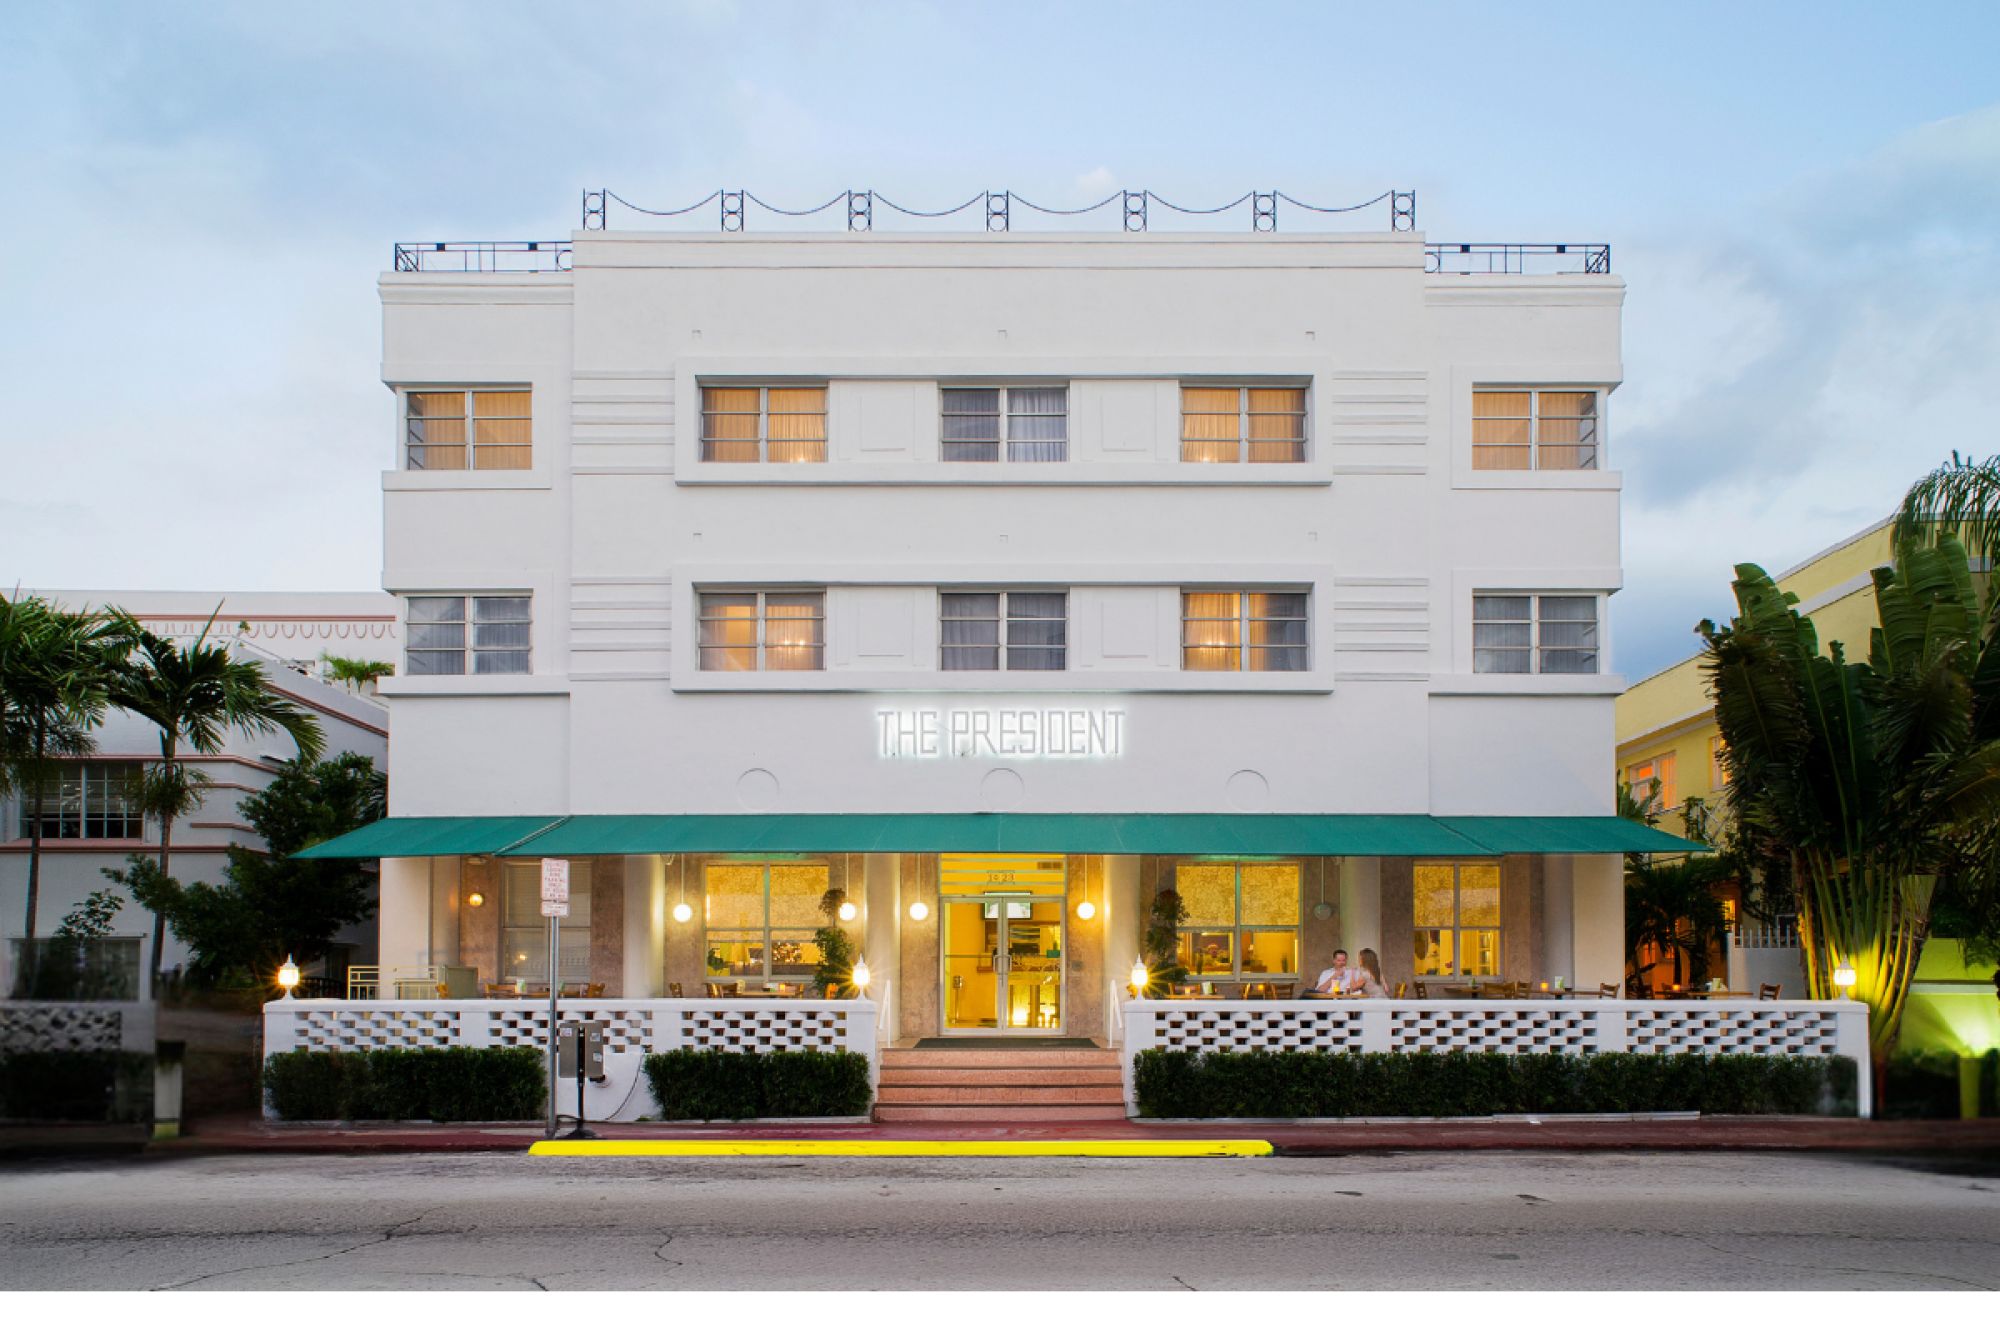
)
(1340, 975)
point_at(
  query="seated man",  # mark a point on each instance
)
(1340, 979)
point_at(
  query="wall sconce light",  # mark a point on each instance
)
(919, 910)
(683, 913)
(475, 860)
(288, 976)
(848, 911)
(1086, 909)
(475, 900)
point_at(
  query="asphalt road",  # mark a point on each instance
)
(1496, 1220)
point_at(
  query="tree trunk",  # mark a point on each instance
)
(31, 962)
(166, 869)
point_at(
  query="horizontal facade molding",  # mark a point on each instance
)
(958, 685)
(413, 687)
(1498, 683)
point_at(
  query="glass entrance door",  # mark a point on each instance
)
(1003, 964)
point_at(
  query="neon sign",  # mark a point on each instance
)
(972, 733)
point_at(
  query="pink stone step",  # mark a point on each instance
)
(975, 1114)
(974, 1059)
(1001, 1095)
(927, 1075)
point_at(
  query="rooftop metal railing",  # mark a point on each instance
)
(483, 257)
(1530, 260)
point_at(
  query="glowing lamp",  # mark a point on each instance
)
(1843, 976)
(848, 911)
(860, 974)
(682, 912)
(1139, 976)
(918, 911)
(288, 976)
(1086, 909)
(475, 899)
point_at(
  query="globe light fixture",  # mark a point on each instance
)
(475, 900)
(288, 976)
(919, 910)
(683, 913)
(1086, 910)
(848, 911)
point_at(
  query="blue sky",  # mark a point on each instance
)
(1805, 201)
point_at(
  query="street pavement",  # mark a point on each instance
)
(1510, 1220)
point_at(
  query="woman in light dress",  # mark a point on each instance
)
(1370, 977)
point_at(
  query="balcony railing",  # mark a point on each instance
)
(483, 257)
(1531, 260)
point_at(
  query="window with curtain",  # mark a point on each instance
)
(450, 430)
(524, 931)
(1457, 918)
(763, 631)
(760, 920)
(1532, 633)
(1519, 430)
(777, 424)
(1641, 777)
(493, 635)
(1243, 424)
(1242, 919)
(92, 800)
(1243, 631)
(1017, 631)
(1718, 764)
(1032, 423)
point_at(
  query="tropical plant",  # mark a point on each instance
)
(195, 696)
(91, 919)
(836, 951)
(55, 674)
(1162, 942)
(1872, 778)
(1671, 906)
(270, 905)
(354, 670)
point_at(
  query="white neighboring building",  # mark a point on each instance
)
(1002, 581)
(89, 829)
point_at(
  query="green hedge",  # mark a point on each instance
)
(736, 1085)
(76, 1085)
(446, 1083)
(1297, 1084)
(1924, 1085)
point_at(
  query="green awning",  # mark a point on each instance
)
(1184, 835)
(1574, 834)
(445, 835)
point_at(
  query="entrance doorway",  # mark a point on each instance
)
(1003, 964)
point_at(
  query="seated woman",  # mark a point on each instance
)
(1369, 979)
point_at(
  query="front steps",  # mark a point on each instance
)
(999, 1085)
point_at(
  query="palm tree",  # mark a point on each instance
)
(55, 671)
(1672, 907)
(1872, 778)
(195, 695)
(1962, 498)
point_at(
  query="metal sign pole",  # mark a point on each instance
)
(555, 906)
(555, 943)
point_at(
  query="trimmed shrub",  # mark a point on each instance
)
(1287, 1085)
(744, 1085)
(76, 1086)
(442, 1084)
(1921, 1085)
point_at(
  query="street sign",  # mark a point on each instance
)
(555, 884)
(550, 908)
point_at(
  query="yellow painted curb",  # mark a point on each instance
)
(899, 1148)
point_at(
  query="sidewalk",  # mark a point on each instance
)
(1711, 1134)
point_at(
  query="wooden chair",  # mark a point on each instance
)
(1258, 990)
(1283, 990)
(499, 990)
(1770, 990)
(1607, 990)
(1401, 992)
(595, 990)
(1420, 990)
(1187, 988)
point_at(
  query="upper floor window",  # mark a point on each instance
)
(1540, 429)
(1718, 763)
(769, 425)
(1520, 634)
(494, 632)
(450, 430)
(1023, 631)
(1033, 423)
(1221, 425)
(763, 631)
(1641, 778)
(86, 801)
(1243, 631)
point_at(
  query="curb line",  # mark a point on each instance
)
(900, 1148)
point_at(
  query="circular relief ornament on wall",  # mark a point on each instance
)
(1001, 789)
(1248, 791)
(757, 789)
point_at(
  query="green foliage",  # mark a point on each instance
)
(1300, 1084)
(1162, 942)
(744, 1085)
(356, 670)
(449, 1083)
(836, 951)
(76, 1085)
(91, 919)
(1671, 905)
(270, 906)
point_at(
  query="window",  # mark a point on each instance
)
(1519, 634)
(86, 801)
(1033, 422)
(1549, 430)
(763, 631)
(497, 636)
(775, 425)
(1718, 764)
(1641, 777)
(1031, 629)
(1458, 920)
(1243, 631)
(1231, 425)
(524, 931)
(1242, 918)
(761, 919)
(437, 428)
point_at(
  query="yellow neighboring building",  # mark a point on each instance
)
(1665, 723)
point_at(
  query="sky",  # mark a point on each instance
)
(195, 200)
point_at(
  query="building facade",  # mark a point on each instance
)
(1000, 582)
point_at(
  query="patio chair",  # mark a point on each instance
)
(1607, 990)
(1420, 990)
(1283, 990)
(1401, 992)
(595, 990)
(1770, 990)
(1179, 989)
(674, 990)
